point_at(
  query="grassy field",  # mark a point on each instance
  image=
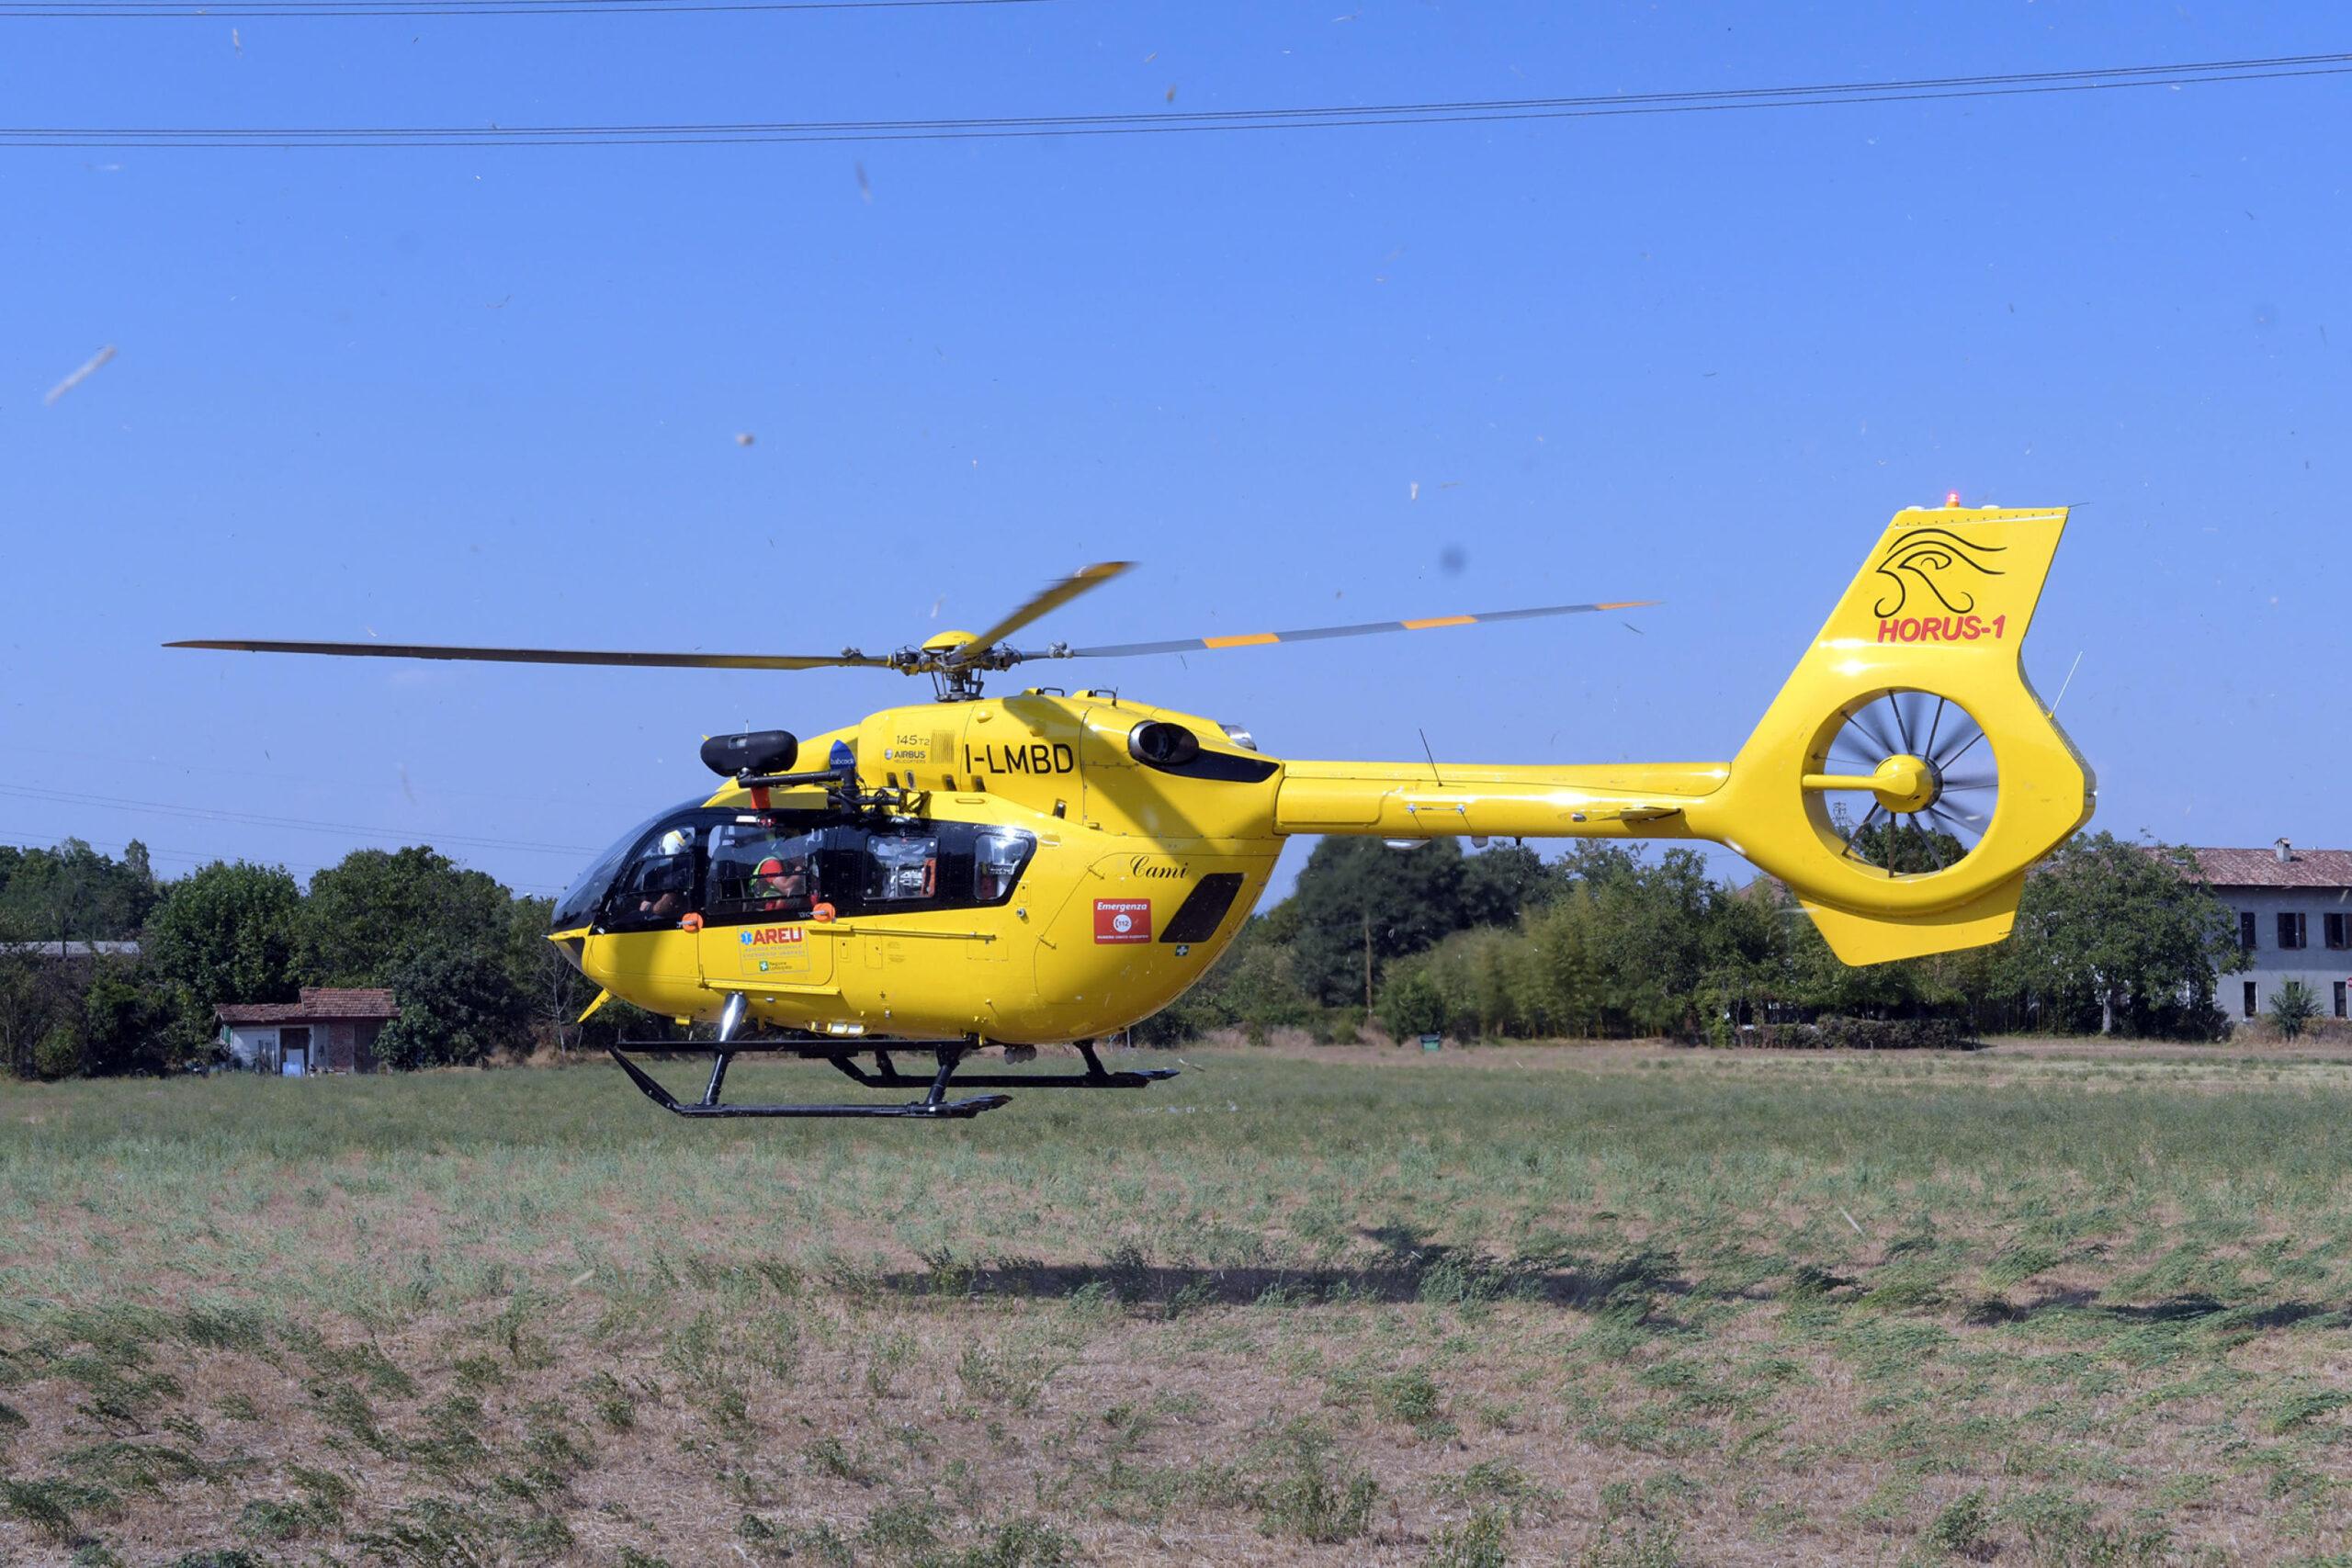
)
(1614, 1306)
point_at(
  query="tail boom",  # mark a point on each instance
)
(1938, 613)
(1420, 800)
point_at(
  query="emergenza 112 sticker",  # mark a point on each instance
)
(1122, 920)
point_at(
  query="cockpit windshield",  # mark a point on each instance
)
(735, 867)
(585, 897)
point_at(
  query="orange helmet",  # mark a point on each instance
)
(770, 867)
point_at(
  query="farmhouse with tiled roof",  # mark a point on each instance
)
(331, 1030)
(2294, 913)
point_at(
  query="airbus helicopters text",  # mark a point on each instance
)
(1052, 867)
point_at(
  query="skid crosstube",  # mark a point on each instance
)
(884, 1074)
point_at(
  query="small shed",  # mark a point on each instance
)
(331, 1030)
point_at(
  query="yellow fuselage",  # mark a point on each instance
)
(1139, 859)
(1083, 946)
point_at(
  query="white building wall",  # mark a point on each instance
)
(253, 1045)
(2269, 966)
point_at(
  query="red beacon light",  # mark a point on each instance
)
(1951, 498)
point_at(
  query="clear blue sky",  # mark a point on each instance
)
(494, 395)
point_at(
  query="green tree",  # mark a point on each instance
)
(1650, 921)
(369, 914)
(1410, 1002)
(458, 1003)
(1748, 955)
(128, 1026)
(553, 990)
(1252, 986)
(37, 1002)
(74, 893)
(1500, 882)
(225, 933)
(1466, 983)
(1906, 846)
(1567, 989)
(1362, 903)
(2117, 934)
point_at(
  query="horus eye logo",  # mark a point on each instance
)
(1938, 561)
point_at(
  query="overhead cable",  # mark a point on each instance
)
(241, 10)
(258, 819)
(1323, 117)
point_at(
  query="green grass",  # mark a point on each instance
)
(1616, 1305)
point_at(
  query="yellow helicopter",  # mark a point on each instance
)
(1052, 867)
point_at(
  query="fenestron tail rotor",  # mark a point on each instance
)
(1906, 782)
(954, 659)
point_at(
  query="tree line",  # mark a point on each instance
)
(466, 959)
(1610, 941)
(1604, 941)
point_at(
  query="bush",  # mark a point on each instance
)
(128, 1026)
(2263, 1030)
(1410, 1004)
(1339, 1026)
(1864, 1034)
(2293, 1008)
(458, 1004)
(59, 1053)
(1318, 1503)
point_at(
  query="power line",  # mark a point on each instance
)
(303, 824)
(39, 839)
(1327, 116)
(151, 767)
(238, 10)
(33, 838)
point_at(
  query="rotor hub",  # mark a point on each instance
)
(1906, 784)
(1889, 793)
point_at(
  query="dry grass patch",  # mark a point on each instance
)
(1612, 1306)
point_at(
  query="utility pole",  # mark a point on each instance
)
(1367, 966)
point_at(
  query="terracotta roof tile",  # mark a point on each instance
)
(319, 1003)
(2263, 868)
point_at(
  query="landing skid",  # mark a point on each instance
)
(884, 1074)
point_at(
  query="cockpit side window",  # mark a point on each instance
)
(901, 868)
(798, 866)
(661, 883)
(583, 902)
(998, 856)
(765, 868)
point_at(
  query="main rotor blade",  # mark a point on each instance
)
(1043, 602)
(1316, 634)
(546, 655)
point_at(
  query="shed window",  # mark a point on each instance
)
(2246, 929)
(2249, 999)
(2339, 999)
(2339, 930)
(2290, 930)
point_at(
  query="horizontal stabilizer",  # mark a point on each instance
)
(1869, 939)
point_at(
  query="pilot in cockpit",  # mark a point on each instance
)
(782, 885)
